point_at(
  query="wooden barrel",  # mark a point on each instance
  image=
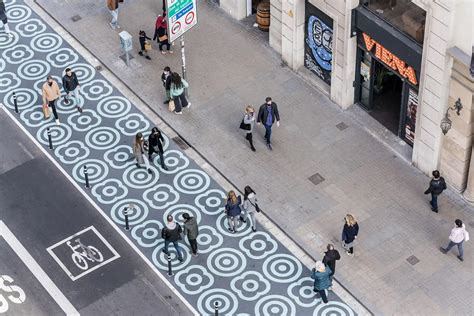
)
(263, 16)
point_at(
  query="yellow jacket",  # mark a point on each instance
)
(50, 93)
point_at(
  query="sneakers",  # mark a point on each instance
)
(179, 113)
(137, 164)
(150, 171)
(148, 57)
(434, 210)
(195, 254)
(57, 122)
(443, 250)
(79, 109)
(460, 258)
(269, 146)
(140, 53)
(349, 254)
(189, 105)
(230, 229)
(242, 219)
(163, 52)
(66, 100)
(253, 148)
(254, 229)
(171, 52)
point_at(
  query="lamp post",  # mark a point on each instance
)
(446, 122)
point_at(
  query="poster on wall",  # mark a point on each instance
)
(318, 43)
(410, 121)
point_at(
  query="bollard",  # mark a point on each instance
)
(86, 174)
(50, 140)
(15, 103)
(216, 308)
(125, 212)
(170, 271)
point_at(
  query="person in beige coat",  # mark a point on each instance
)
(51, 93)
(140, 148)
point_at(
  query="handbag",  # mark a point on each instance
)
(245, 127)
(163, 38)
(171, 106)
(147, 45)
(46, 111)
(257, 208)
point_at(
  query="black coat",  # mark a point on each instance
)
(166, 81)
(3, 13)
(142, 38)
(155, 141)
(172, 234)
(349, 233)
(437, 186)
(70, 82)
(330, 258)
(263, 113)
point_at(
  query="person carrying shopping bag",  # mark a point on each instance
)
(161, 34)
(145, 46)
(178, 93)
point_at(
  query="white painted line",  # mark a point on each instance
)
(26, 150)
(63, 266)
(37, 271)
(118, 230)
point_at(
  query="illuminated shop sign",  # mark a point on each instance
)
(390, 59)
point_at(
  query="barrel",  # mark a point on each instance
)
(263, 16)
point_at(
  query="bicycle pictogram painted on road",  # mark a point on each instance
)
(87, 253)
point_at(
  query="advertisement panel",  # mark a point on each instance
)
(182, 16)
(410, 120)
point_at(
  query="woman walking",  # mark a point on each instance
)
(322, 280)
(349, 234)
(161, 33)
(155, 142)
(249, 122)
(4, 18)
(232, 208)
(250, 207)
(140, 146)
(457, 237)
(142, 37)
(177, 93)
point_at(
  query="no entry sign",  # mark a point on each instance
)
(182, 16)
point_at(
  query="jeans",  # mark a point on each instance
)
(194, 245)
(52, 104)
(76, 96)
(176, 246)
(162, 159)
(180, 102)
(460, 247)
(246, 214)
(268, 133)
(434, 201)
(323, 295)
(232, 222)
(114, 14)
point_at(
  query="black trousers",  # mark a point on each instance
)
(164, 43)
(194, 245)
(249, 137)
(162, 159)
(52, 104)
(180, 102)
(322, 293)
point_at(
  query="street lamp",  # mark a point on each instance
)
(446, 122)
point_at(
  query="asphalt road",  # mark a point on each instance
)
(43, 209)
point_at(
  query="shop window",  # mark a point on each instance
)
(402, 14)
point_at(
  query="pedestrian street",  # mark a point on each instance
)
(246, 273)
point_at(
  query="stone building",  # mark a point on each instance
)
(404, 61)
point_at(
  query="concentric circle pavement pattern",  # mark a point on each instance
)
(247, 274)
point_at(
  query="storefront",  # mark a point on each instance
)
(387, 74)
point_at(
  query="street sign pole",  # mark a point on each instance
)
(183, 63)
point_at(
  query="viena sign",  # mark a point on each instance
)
(390, 59)
(182, 16)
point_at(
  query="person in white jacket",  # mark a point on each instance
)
(456, 238)
(250, 207)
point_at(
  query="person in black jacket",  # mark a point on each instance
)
(437, 186)
(71, 85)
(330, 257)
(267, 115)
(349, 234)
(166, 79)
(171, 233)
(142, 37)
(155, 141)
(4, 18)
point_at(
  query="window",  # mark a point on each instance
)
(401, 14)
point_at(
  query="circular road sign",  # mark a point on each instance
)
(189, 18)
(176, 27)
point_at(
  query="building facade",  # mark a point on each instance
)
(403, 61)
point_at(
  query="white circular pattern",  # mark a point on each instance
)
(226, 262)
(113, 106)
(191, 181)
(84, 121)
(84, 72)
(30, 28)
(179, 209)
(97, 170)
(250, 286)
(136, 214)
(72, 152)
(132, 123)
(333, 308)
(34, 117)
(194, 279)
(211, 202)
(275, 305)
(209, 239)
(120, 157)
(282, 268)
(148, 233)
(243, 229)
(96, 89)
(63, 57)
(18, 13)
(160, 259)
(227, 302)
(161, 196)
(302, 292)
(60, 134)
(17, 54)
(46, 42)
(34, 69)
(109, 191)
(71, 107)
(102, 138)
(8, 81)
(256, 248)
(25, 98)
(6, 41)
(139, 178)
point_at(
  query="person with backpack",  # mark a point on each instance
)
(171, 233)
(457, 237)
(192, 231)
(437, 186)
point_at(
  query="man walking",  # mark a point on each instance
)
(71, 86)
(267, 114)
(113, 6)
(171, 233)
(191, 230)
(457, 237)
(51, 93)
(166, 79)
(437, 186)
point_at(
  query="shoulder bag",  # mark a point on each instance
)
(245, 127)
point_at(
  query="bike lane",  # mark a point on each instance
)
(247, 274)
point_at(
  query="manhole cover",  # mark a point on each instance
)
(180, 142)
(76, 18)
(316, 179)
(341, 126)
(413, 260)
(98, 68)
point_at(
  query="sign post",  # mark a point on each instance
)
(126, 45)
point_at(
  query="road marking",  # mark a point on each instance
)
(118, 230)
(26, 150)
(78, 255)
(37, 271)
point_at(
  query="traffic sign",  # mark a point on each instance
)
(181, 15)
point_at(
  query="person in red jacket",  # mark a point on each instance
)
(161, 33)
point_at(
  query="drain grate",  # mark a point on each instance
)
(413, 260)
(342, 126)
(99, 68)
(76, 18)
(316, 178)
(180, 142)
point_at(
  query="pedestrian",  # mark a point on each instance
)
(166, 79)
(155, 145)
(437, 186)
(171, 233)
(71, 86)
(4, 18)
(161, 33)
(178, 94)
(192, 231)
(139, 149)
(233, 210)
(113, 6)
(267, 115)
(457, 237)
(322, 280)
(144, 44)
(330, 257)
(51, 93)
(248, 123)
(250, 207)
(349, 234)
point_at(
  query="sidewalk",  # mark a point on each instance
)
(228, 68)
